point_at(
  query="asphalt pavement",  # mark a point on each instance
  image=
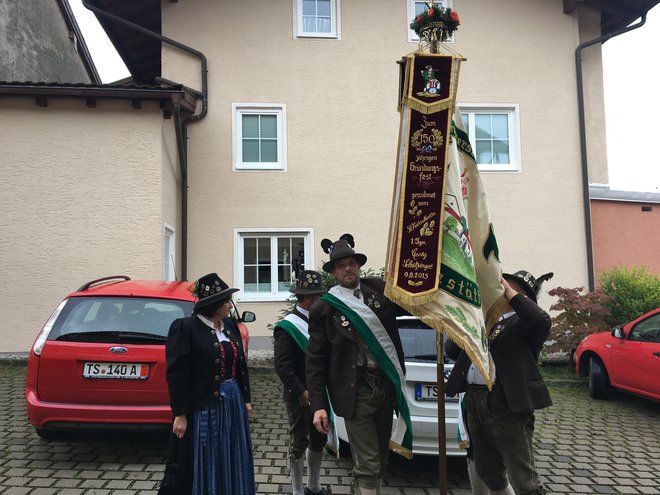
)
(582, 446)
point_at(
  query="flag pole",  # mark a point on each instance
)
(442, 437)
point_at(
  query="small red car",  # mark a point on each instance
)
(99, 361)
(627, 358)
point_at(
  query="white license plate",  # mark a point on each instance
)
(429, 391)
(119, 371)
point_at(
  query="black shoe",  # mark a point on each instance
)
(322, 491)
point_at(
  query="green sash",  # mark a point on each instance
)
(379, 343)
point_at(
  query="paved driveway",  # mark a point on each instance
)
(583, 446)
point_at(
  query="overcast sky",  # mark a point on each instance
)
(632, 99)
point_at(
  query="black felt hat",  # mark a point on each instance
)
(343, 248)
(309, 282)
(530, 284)
(210, 289)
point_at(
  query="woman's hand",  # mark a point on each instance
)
(180, 425)
(248, 408)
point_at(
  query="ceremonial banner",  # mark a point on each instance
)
(442, 262)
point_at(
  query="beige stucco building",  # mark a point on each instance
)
(299, 143)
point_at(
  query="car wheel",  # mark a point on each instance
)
(598, 381)
(46, 434)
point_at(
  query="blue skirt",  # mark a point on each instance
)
(222, 448)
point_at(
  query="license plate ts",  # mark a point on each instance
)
(426, 391)
(118, 371)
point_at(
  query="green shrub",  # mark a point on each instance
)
(634, 291)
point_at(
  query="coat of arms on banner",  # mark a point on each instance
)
(433, 85)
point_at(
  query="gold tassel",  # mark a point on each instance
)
(332, 449)
(402, 451)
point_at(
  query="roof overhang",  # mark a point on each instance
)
(616, 14)
(91, 93)
(140, 53)
(606, 194)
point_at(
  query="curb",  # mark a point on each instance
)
(14, 357)
(262, 360)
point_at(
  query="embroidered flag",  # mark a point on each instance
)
(466, 297)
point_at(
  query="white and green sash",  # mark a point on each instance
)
(297, 328)
(379, 343)
(462, 434)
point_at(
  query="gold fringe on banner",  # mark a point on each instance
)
(429, 109)
(402, 451)
(401, 296)
(439, 324)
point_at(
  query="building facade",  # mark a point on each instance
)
(330, 99)
(626, 229)
(298, 144)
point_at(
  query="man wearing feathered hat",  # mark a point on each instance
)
(291, 335)
(501, 421)
(355, 351)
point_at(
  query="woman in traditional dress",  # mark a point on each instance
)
(209, 390)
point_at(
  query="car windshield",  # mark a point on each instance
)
(118, 319)
(418, 340)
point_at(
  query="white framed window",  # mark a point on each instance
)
(316, 18)
(169, 253)
(268, 260)
(259, 131)
(416, 7)
(494, 131)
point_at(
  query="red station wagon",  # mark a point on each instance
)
(99, 361)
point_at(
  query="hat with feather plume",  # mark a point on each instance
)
(342, 248)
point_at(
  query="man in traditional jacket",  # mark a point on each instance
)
(355, 351)
(291, 336)
(501, 421)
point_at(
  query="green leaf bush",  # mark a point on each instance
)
(634, 291)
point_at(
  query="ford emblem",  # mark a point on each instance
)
(118, 349)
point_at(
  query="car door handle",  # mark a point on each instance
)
(656, 354)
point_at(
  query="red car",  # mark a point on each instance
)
(627, 358)
(99, 361)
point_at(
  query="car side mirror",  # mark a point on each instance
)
(248, 317)
(617, 332)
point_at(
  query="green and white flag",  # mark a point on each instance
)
(442, 260)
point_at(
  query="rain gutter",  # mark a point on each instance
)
(181, 125)
(583, 141)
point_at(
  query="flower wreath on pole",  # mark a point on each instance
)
(435, 24)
